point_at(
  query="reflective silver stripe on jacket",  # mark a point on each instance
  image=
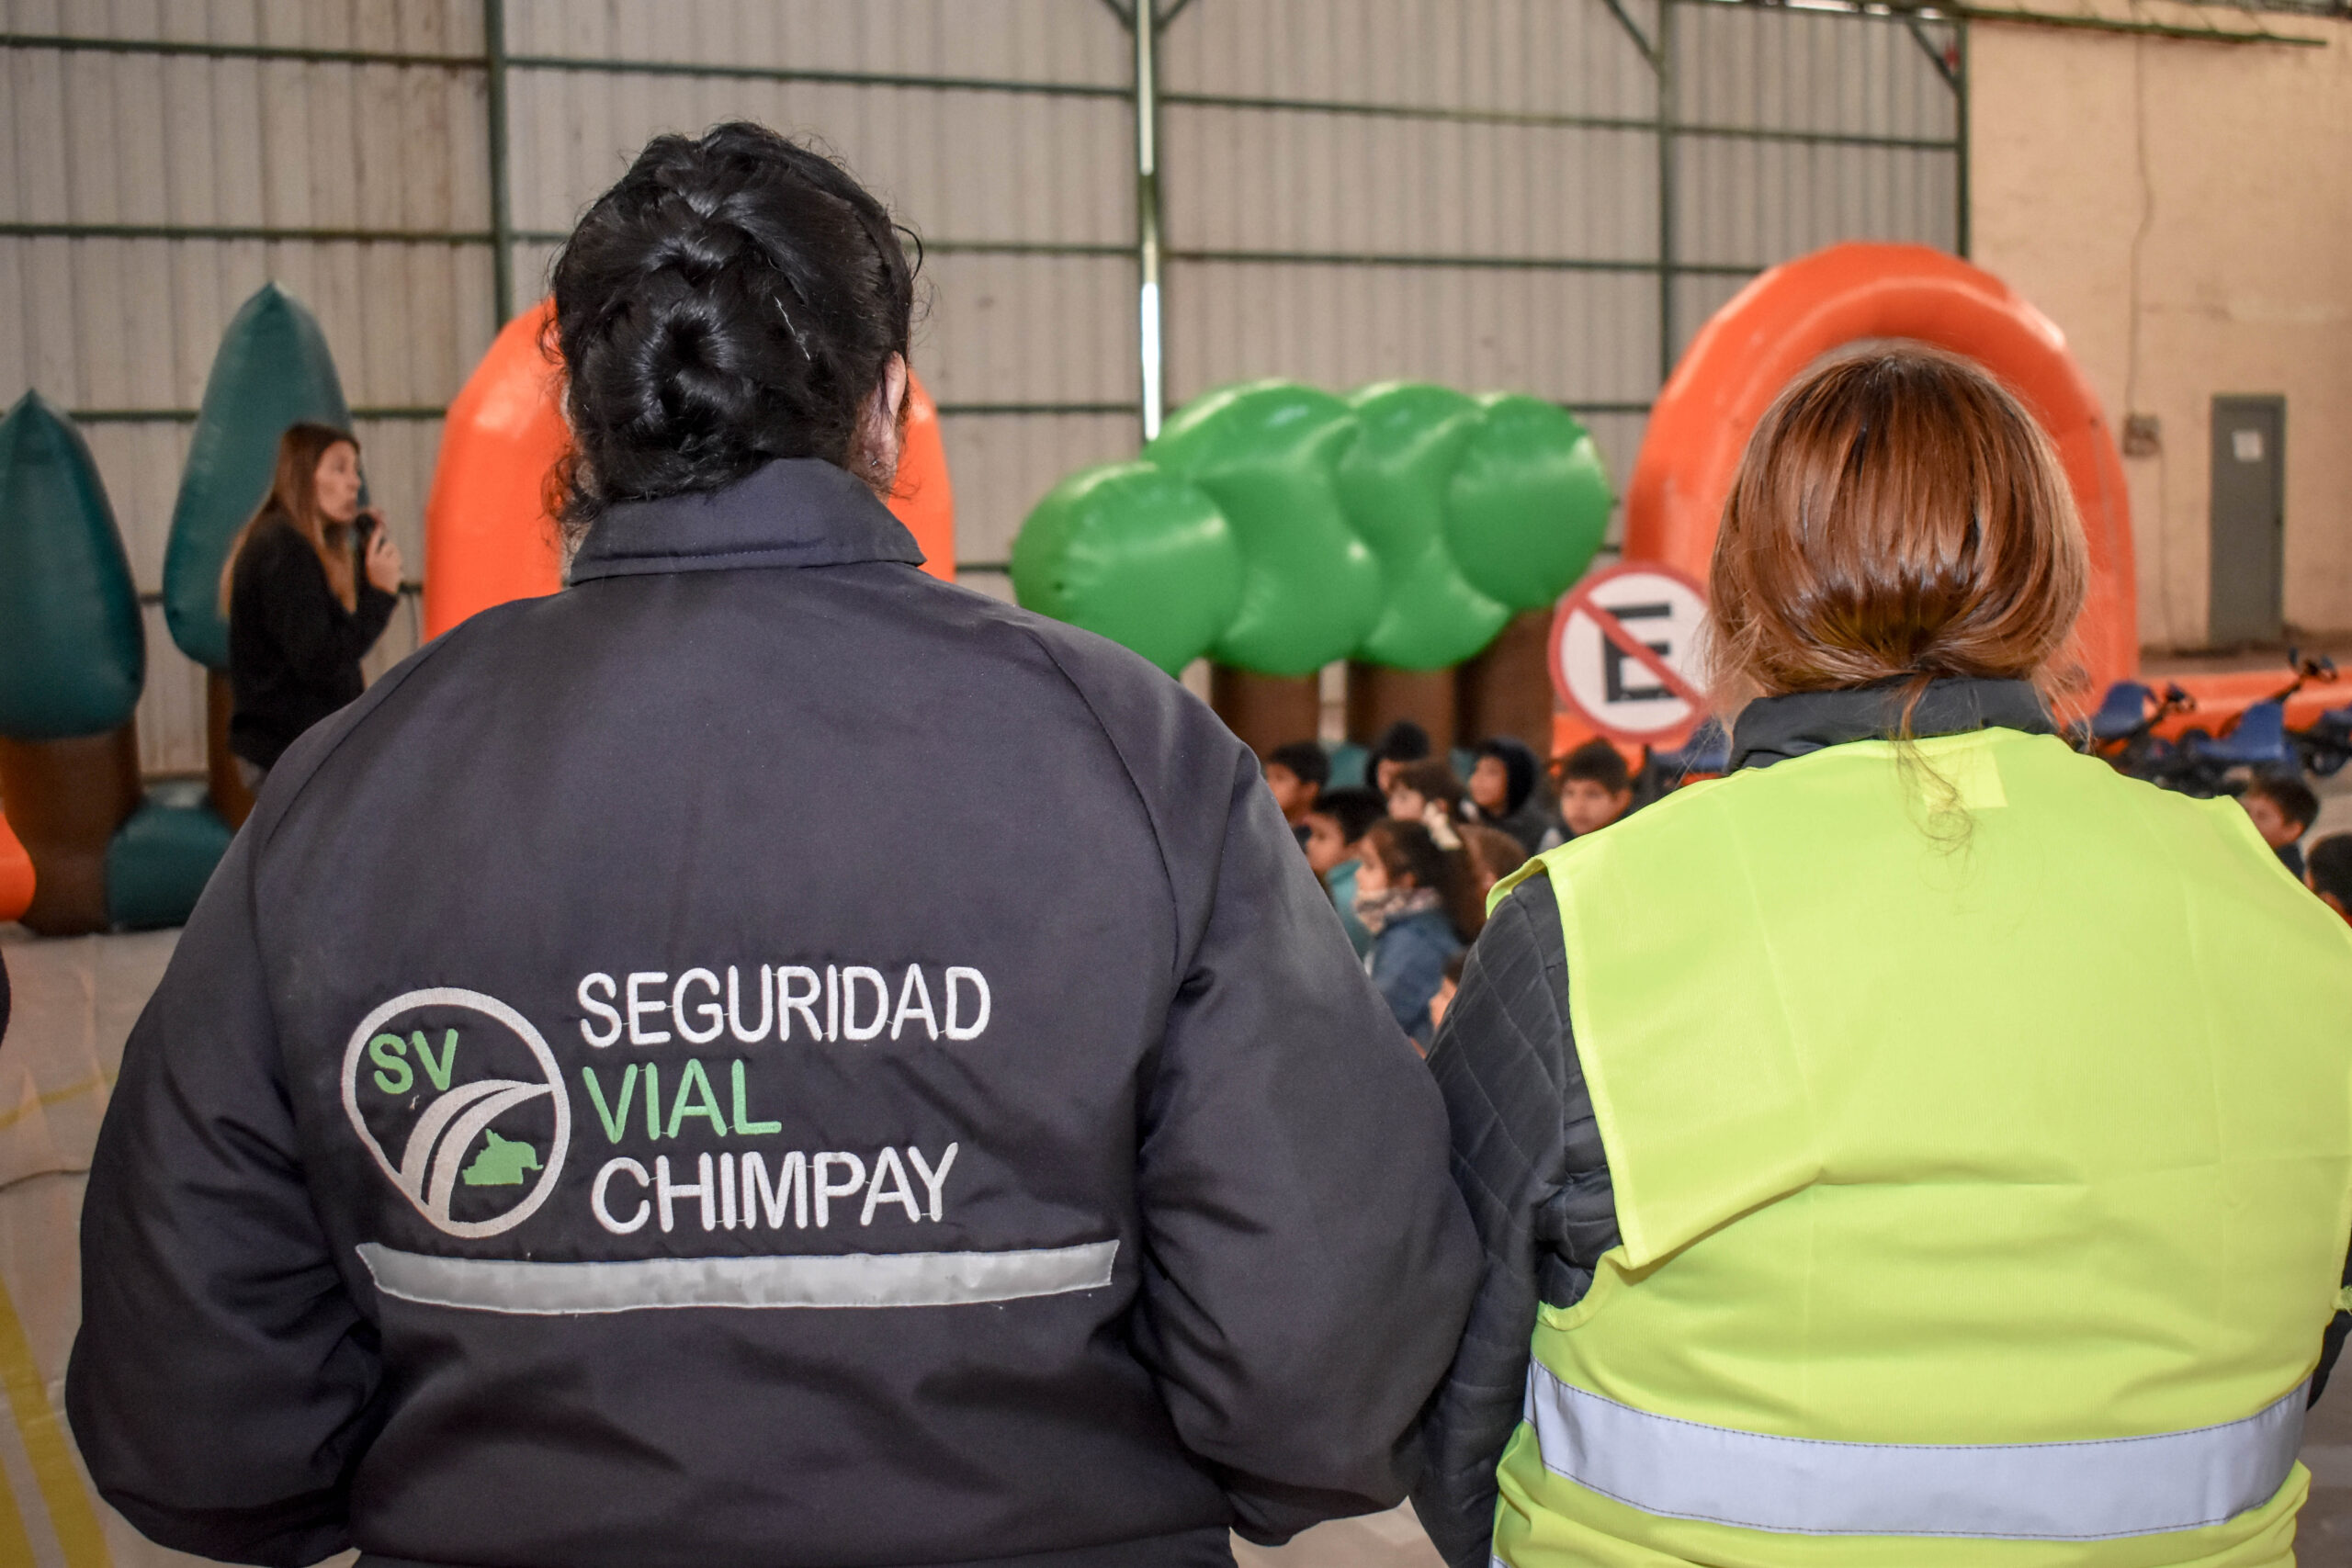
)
(2085, 1490)
(854, 1280)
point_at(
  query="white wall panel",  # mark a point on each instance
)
(967, 165)
(1031, 41)
(1011, 329)
(1508, 56)
(1571, 337)
(1320, 182)
(1021, 459)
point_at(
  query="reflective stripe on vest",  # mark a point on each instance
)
(2085, 1490)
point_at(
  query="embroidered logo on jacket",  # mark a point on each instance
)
(462, 1104)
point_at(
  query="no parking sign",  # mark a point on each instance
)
(1625, 653)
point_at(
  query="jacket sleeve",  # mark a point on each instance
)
(2331, 1343)
(1307, 1264)
(222, 1384)
(308, 622)
(1528, 1159)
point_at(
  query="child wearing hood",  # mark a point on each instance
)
(1503, 795)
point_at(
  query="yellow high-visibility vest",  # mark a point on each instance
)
(1980, 1123)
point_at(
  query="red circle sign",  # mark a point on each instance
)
(1626, 652)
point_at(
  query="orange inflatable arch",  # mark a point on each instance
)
(489, 533)
(1797, 313)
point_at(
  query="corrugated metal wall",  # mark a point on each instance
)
(145, 191)
(1467, 191)
(1000, 131)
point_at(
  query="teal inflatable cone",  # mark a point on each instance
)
(72, 652)
(273, 370)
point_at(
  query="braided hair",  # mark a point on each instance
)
(734, 300)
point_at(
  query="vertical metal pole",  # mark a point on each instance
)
(502, 208)
(1665, 241)
(1146, 27)
(1960, 120)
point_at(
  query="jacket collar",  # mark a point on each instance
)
(793, 511)
(1773, 730)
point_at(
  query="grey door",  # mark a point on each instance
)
(2249, 520)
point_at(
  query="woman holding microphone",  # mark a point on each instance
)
(1923, 1144)
(309, 585)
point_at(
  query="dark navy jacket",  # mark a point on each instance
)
(763, 1057)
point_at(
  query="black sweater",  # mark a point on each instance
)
(294, 650)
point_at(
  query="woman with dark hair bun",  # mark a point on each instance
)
(734, 300)
(587, 1126)
(1923, 1145)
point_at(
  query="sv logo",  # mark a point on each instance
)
(435, 1104)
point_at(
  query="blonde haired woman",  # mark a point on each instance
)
(1923, 1145)
(309, 585)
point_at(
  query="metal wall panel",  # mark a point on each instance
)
(1488, 56)
(1062, 41)
(1467, 191)
(1574, 336)
(119, 169)
(1518, 142)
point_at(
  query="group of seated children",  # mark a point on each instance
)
(1409, 857)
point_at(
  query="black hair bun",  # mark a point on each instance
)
(732, 301)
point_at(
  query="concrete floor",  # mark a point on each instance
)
(1380, 1540)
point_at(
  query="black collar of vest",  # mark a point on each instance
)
(1773, 730)
(793, 511)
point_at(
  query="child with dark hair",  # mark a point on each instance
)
(1596, 787)
(1502, 788)
(2327, 872)
(1417, 789)
(1402, 742)
(1335, 827)
(1296, 774)
(1415, 894)
(2283, 808)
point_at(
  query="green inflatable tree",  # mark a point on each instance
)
(1403, 526)
(1393, 480)
(1265, 454)
(273, 370)
(1130, 547)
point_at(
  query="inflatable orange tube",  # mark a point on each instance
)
(489, 532)
(922, 499)
(15, 875)
(1795, 314)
